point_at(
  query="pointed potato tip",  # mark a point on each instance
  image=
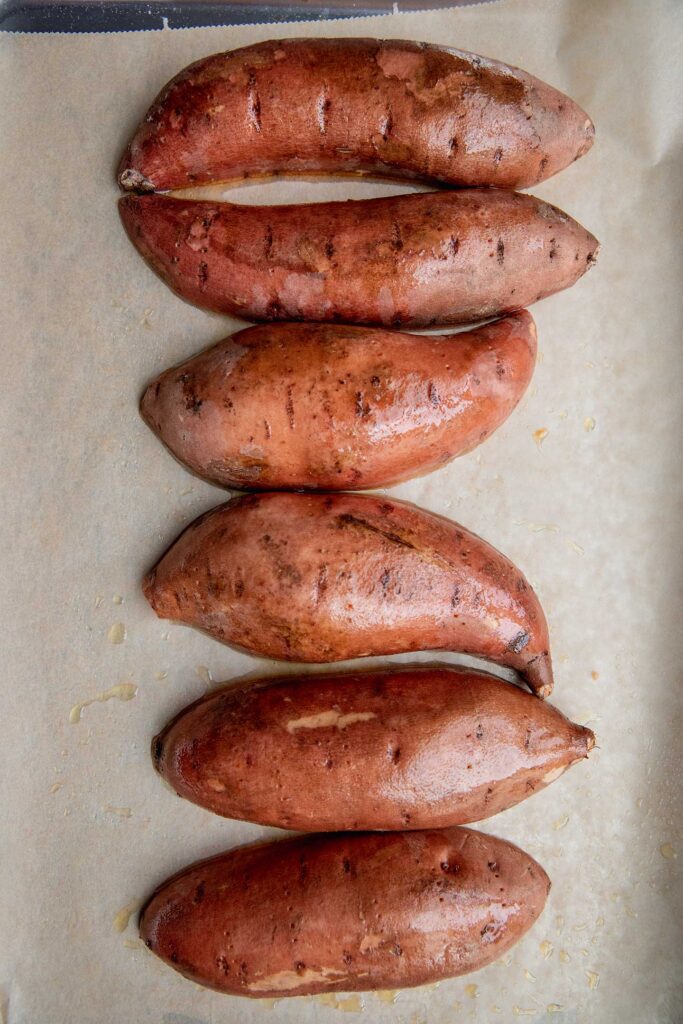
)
(594, 251)
(147, 404)
(149, 588)
(589, 737)
(539, 675)
(157, 752)
(588, 137)
(131, 180)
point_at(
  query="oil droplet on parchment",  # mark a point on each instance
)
(124, 915)
(592, 979)
(386, 995)
(472, 991)
(160, 675)
(116, 633)
(540, 435)
(667, 851)
(561, 822)
(554, 1008)
(204, 674)
(589, 424)
(117, 599)
(546, 949)
(121, 812)
(122, 691)
(350, 1004)
(564, 956)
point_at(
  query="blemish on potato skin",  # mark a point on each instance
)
(519, 642)
(289, 407)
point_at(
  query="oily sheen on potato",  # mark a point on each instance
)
(326, 407)
(345, 912)
(411, 748)
(401, 261)
(328, 577)
(380, 106)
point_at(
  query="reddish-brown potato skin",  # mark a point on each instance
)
(410, 260)
(345, 912)
(387, 107)
(323, 578)
(420, 747)
(326, 407)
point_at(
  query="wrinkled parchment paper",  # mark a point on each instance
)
(90, 498)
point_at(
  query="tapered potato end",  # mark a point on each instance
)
(539, 675)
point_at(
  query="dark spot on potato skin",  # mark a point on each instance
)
(518, 642)
(199, 893)
(362, 407)
(433, 395)
(500, 252)
(289, 406)
(449, 867)
(346, 519)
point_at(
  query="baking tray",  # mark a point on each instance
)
(106, 16)
(89, 499)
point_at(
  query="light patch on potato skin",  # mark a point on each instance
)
(333, 717)
(283, 981)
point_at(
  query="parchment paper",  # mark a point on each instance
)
(90, 498)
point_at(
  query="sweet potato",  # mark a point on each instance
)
(410, 260)
(315, 406)
(323, 578)
(344, 912)
(387, 107)
(409, 748)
